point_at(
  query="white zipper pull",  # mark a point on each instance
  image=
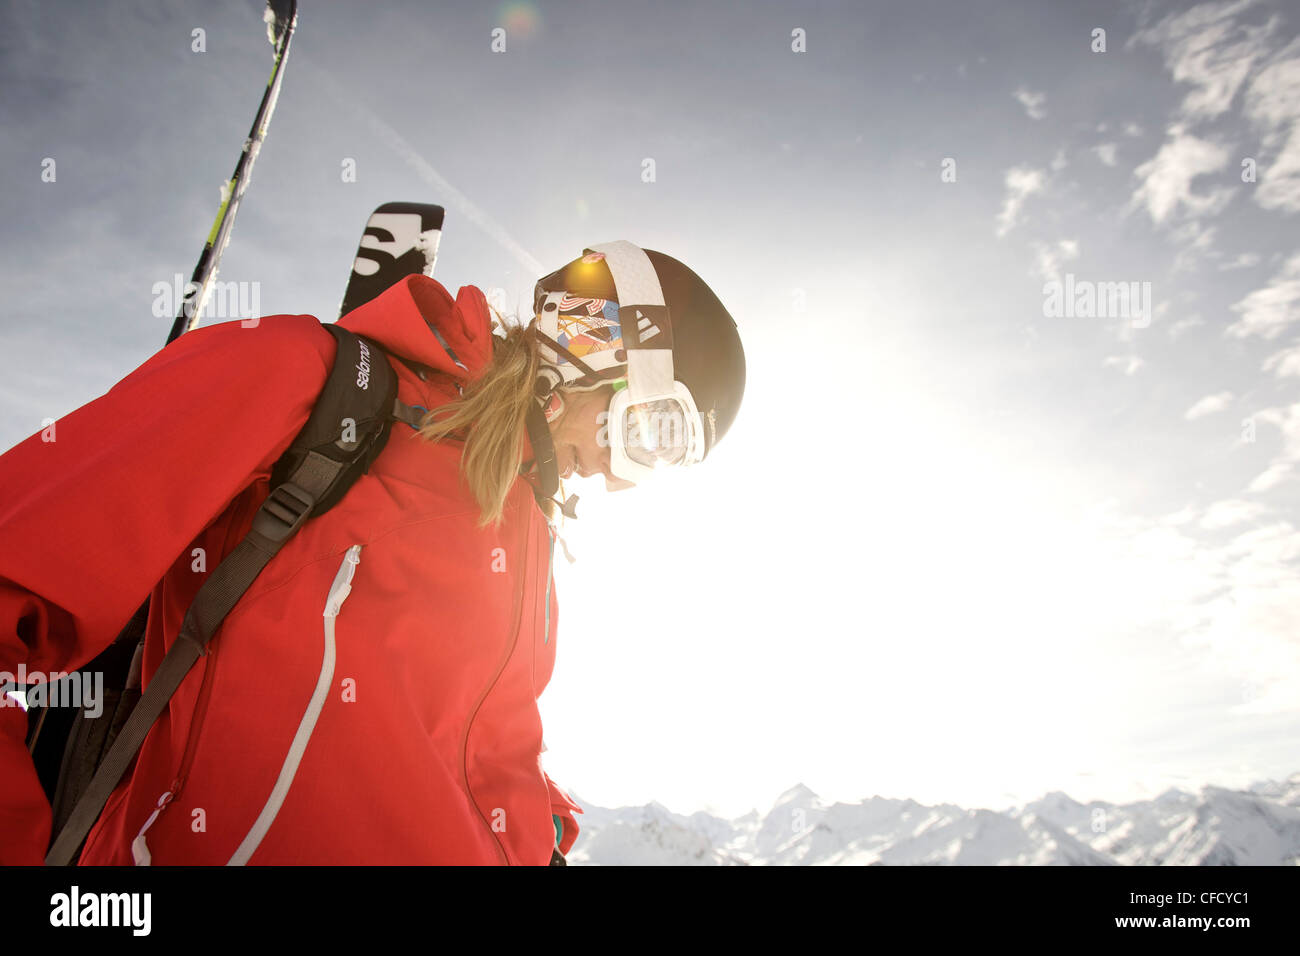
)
(139, 848)
(342, 585)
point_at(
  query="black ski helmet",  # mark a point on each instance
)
(707, 354)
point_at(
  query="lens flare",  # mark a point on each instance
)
(520, 18)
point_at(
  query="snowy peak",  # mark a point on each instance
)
(1060, 801)
(1286, 792)
(1220, 826)
(798, 795)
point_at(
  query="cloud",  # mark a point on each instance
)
(1284, 364)
(1244, 260)
(1128, 364)
(1252, 629)
(1209, 405)
(1050, 258)
(1219, 58)
(1105, 152)
(1268, 311)
(1167, 177)
(1132, 129)
(1205, 48)
(1270, 477)
(1196, 241)
(1021, 182)
(1273, 104)
(1235, 606)
(1032, 102)
(1182, 325)
(1179, 517)
(1283, 466)
(1231, 511)
(1287, 420)
(1271, 98)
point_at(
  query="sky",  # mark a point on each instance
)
(982, 529)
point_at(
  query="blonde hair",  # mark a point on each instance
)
(491, 417)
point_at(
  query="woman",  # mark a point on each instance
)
(372, 697)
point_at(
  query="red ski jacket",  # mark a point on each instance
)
(403, 731)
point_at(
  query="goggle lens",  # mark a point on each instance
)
(656, 431)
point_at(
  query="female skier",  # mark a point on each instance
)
(372, 697)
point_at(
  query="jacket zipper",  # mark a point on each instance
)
(196, 724)
(550, 562)
(139, 848)
(200, 711)
(464, 738)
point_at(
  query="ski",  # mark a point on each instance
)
(281, 16)
(400, 239)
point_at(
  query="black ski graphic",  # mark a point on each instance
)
(401, 239)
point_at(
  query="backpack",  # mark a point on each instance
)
(79, 759)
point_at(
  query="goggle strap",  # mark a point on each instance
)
(560, 350)
(649, 373)
(539, 435)
(635, 279)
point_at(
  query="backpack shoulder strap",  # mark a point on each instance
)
(345, 432)
(348, 426)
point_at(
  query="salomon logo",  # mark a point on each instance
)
(363, 368)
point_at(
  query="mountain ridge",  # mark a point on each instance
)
(1257, 826)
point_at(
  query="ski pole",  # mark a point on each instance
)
(281, 17)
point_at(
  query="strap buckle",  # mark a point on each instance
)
(284, 509)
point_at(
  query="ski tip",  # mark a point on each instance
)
(279, 16)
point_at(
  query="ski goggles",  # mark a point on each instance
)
(659, 430)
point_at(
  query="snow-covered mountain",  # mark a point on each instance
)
(1255, 827)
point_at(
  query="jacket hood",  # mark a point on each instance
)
(408, 318)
